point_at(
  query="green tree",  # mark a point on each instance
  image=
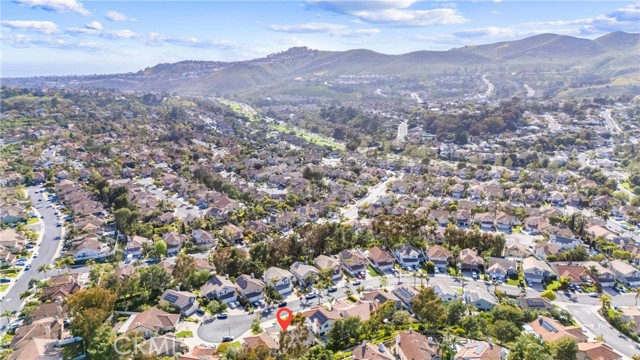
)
(549, 294)
(100, 346)
(505, 331)
(429, 308)
(318, 352)
(89, 309)
(216, 307)
(255, 325)
(160, 249)
(564, 349)
(455, 311)
(344, 333)
(528, 347)
(153, 279)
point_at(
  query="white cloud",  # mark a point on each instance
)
(59, 6)
(118, 34)
(94, 25)
(115, 16)
(490, 31)
(44, 27)
(23, 41)
(390, 12)
(156, 39)
(308, 28)
(289, 40)
(82, 31)
(623, 19)
(327, 28)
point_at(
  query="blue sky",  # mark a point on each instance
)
(62, 37)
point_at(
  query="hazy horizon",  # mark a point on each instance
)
(68, 37)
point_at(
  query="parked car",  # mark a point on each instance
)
(594, 295)
(222, 316)
(5, 280)
(26, 268)
(227, 338)
(332, 289)
(282, 304)
(200, 311)
(35, 254)
(310, 296)
(355, 283)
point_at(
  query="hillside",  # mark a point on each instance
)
(301, 69)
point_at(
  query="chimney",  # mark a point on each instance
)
(540, 320)
(364, 344)
(410, 331)
(47, 331)
(490, 341)
(381, 348)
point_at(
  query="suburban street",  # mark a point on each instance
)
(587, 316)
(183, 209)
(374, 194)
(47, 249)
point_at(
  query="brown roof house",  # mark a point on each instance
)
(149, 322)
(412, 345)
(381, 259)
(551, 330)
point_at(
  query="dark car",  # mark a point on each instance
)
(332, 289)
(282, 304)
(310, 296)
(223, 316)
(200, 311)
(227, 338)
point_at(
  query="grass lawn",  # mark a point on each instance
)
(184, 334)
(512, 282)
(32, 221)
(6, 338)
(372, 272)
(4, 287)
(626, 186)
(554, 285)
(517, 230)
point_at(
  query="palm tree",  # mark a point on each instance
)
(44, 268)
(637, 295)
(90, 263)
(605, 300)
(383, 281)
(25, 294)
(59, 265)
(67, 262)
(359, 290)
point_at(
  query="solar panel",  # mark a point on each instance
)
(549, 327)
(171, 297)
(480, 348)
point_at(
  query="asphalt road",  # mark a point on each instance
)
(47, 250)
(587, 316)
(237, 324)
(374, 194)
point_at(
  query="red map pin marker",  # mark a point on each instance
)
(284, 321)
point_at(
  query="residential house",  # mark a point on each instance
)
(439, 216)
(174, 241)
(201, 352)
(368, 351)
(203, 238)
(11, 240)
(281, 279)
(505, 222)
(445, 292)
(480, 350)
(515, 249)
(38, 349)
(320, 320)
(440, 256)
(250, 287)
(353, 262)
(48, 328)
(135, 246)
(535, 271)
(262, 340)
(10, 214)
(552, 330)
(605, 276)
(537, 303)
(408, 256)
(406, 293)
(486, 221)
(150, 322)
(502, 268)
(89, 248)
(219, 288)
(412, 345)
(479, 300)
(542, 251)
(380, 259)
(305, 274)
(233, 233)
(380, 297)
(470, 260)
(625, 273)
(596, 351)
(183, 301)
(575, 273)
(462, 217)
(167, 345)
(631, 315)
(329, 263)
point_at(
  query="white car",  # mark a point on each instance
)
(35, 254)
